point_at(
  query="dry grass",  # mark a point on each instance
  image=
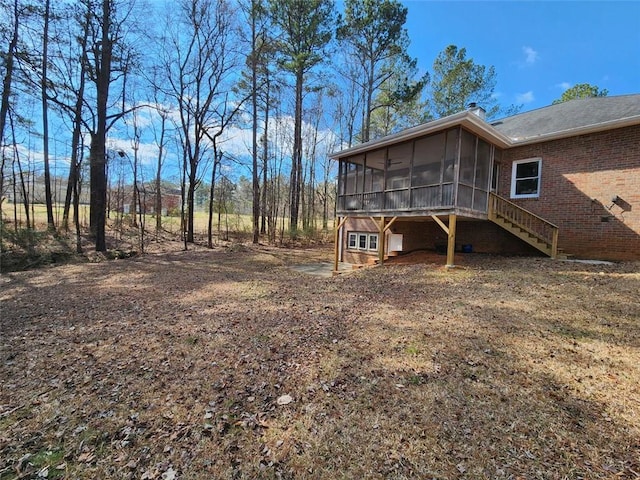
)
(172, 364)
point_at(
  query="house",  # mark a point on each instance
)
(563, 179)
(120, 200)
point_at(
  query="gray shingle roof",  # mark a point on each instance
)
(567, 116)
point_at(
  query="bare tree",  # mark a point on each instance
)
(111, 60)
(305, 29)
(375, 32)
(257, 61)
(9, 61)
(45, 115)
(161, 143)
(199, 66)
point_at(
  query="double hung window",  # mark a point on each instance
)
(525, 178)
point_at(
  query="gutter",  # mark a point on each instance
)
(572, 132)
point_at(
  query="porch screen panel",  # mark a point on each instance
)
(398, 165)
(426, 197)
(353, 175)
(373, 180)
(495, 171)
(342, 183)
(398, 177)
(428, 159)
(373, 196)
(354, 183)
(482, 176)
(467, 157)
(480, 200)
(447, 195)
(483, 165)
(451, 155)
(376, 159)
(465, 196)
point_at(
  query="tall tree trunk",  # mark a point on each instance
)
(296, 161)
(76, 152)
(98, 181)
(158, 207)
(325, 204)
(76, 213)
(265, 154)
(45, 118)
(135, 193)
(265, 160)
(183, 199)
(23, 183)
(367, 104)
(8, 72)
(98, 193)
(191, 201)
(254, 129)
(15, 194)
(216, 160)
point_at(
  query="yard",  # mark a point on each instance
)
(229, 364)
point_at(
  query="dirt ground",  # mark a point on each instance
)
(228, 363)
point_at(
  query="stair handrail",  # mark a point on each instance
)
(495, 203)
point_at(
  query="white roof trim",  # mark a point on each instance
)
(478, 126)
(466, 119)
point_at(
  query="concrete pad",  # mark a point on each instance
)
(324, 269)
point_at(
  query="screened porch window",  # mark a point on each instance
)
(525, 178)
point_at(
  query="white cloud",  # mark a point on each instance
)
(531, 56)
(526, 97)
(564, 85)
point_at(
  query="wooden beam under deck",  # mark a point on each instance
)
(381, 242)
(450, 230)
(341, 222)
(451, 246)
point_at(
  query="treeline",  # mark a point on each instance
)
(206, 92)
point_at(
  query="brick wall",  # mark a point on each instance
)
(580, 175)
(357, 225)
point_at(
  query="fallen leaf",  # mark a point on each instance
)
(169, 474)
(284, 400)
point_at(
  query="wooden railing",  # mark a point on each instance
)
(528, 222)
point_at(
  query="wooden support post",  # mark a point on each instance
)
(441, 223)
(381, 242)
(554, 244)
(451, 245)
(388, 225)
(340, 223)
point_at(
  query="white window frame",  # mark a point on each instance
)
(373, 245)
(363, 241)
(514, 179)
(352, 243)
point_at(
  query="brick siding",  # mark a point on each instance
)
(580, 175)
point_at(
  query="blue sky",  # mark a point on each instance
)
(537, 48)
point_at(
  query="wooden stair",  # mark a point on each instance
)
(375, 260)
(527, 226)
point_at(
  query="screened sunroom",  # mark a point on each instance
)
(439, 172)
(448, 171)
